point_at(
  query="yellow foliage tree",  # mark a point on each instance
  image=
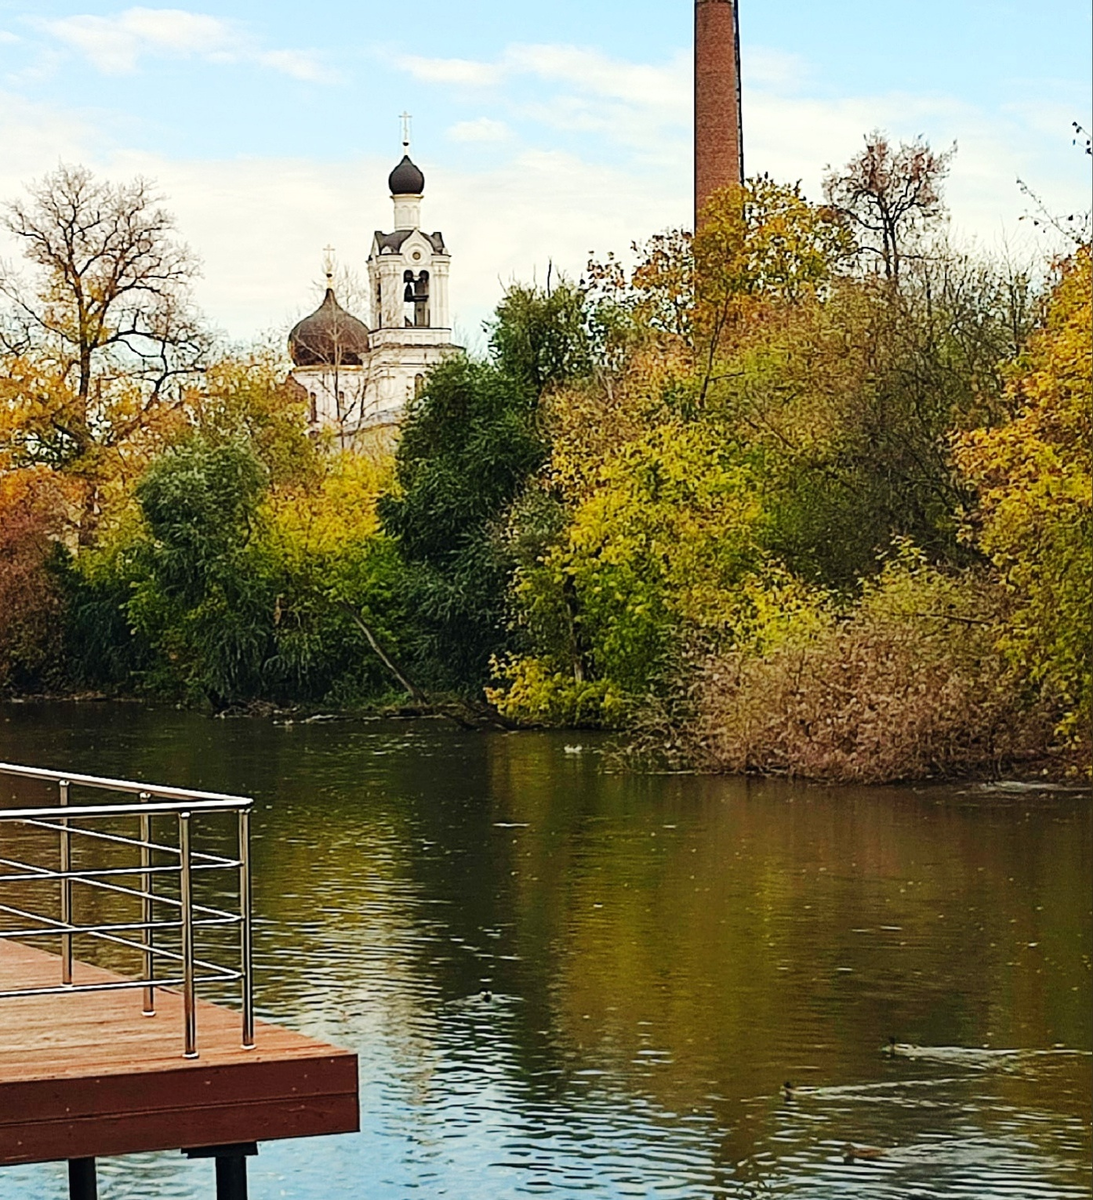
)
(1035, 517)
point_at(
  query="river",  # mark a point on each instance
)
(658, 954)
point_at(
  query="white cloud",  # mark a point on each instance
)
(666, 88)
(300, 64)
(116, 44)
(8, 39)
(34, 137)
(634, 105)
(763, 67)
(462, 72)
(484, 129)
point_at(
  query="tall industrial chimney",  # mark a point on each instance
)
(719, 142)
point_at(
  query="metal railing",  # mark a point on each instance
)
(169, 923)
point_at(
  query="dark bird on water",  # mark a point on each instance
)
(788, 1090)
(853, 1154)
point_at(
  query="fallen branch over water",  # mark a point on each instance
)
(463, 713)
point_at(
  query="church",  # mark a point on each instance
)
(359, 374)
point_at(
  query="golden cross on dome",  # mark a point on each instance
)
(406, 119)
(328, 264)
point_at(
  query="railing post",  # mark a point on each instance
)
(66, 888)
(147, 908)
(189, 1013)
(245, 931)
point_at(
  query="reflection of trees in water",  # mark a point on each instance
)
(710, 936)
(681, 936)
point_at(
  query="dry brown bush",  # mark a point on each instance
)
(907, 685)
(30, 602)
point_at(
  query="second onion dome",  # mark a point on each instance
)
(329, 337)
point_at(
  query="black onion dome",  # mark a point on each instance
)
(406, 179)
(329, 337)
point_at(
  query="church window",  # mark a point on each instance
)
(419, 385)
(313, 415)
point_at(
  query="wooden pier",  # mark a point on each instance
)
(87, 1075)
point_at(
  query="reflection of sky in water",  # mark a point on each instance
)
(660, 953)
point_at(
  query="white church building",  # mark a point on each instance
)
(360, 374)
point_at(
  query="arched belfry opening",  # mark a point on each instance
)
(415, 296)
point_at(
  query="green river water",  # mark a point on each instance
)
(660, 953)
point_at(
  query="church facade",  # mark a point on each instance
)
(359, 374)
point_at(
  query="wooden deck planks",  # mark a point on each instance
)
(87, 1075)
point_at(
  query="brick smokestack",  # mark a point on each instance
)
(719, 145)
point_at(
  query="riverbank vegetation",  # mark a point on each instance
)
(807, 491)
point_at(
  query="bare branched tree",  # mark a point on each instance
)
(1075, 228)
(107, 304)
(891, 196)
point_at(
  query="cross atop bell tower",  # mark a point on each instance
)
(719, 140)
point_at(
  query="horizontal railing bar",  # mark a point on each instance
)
(217, 917)
(207, 923)
(116, 888)
(124, 985)
(53, 823)
(46, 873)
(98, 811)
(43, 873)
(76, 831)
(118, 785)
(162, 951)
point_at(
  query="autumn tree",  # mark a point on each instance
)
(32, 504)
(890, 196)
(759, 246)
(96, 335)
(1034, 477)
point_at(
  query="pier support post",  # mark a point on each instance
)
(82, 1183)
(231, 1178)
(231, 1167)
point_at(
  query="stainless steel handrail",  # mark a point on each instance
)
(186, 918)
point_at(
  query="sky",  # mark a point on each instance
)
(546, 132)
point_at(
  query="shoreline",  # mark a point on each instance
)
(1062, 770)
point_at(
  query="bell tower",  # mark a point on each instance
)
(719, 139)
(408, 270)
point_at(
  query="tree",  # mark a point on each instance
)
(93, 341)
(890, 196)
(539, 337)
(467, 450)
(31, 514)
(200, 594)
(757, 247)
(1034, 477)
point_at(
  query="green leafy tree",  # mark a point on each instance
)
(539, 337)
(467, 450)
(201, 595)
